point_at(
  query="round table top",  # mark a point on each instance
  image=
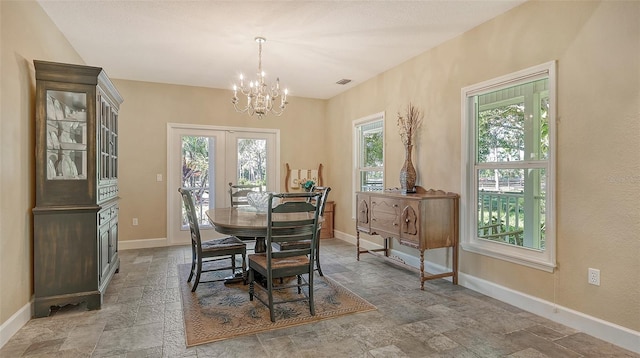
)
(246, 221)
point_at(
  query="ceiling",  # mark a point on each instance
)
(310, 44)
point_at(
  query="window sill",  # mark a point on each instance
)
(518, 255)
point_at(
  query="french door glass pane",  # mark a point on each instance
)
(252, 162)
(197, 169)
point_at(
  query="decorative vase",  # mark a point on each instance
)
(408, 173)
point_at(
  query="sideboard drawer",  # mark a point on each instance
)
(385, 215)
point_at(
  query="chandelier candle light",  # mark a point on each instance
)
(260, 98)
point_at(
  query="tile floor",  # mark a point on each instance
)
(141, 317)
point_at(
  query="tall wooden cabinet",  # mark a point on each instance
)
(75, 221)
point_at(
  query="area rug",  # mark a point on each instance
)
(218, 311)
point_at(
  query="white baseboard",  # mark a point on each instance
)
(142, 244)
(607, 331)
(15, 322)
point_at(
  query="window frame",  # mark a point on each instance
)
(540, 259)
(357, 153)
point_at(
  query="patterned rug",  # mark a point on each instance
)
(218, 311)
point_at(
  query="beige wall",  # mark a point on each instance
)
(27, 34)
(144, 115)
(597, 46)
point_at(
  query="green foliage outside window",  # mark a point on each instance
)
(373, 149)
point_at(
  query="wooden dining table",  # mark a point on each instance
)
(246, 222)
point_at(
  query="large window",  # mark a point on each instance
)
(368, 139)
(508, 209)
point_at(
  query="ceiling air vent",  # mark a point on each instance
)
(343, 81)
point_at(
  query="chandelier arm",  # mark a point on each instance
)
(241, 110)
(276, 112)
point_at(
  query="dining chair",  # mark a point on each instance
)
(324, 192)
(238, 193)
(290, 221)
(208, 252)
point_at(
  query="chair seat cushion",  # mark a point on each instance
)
(278, 263)
(222, 243)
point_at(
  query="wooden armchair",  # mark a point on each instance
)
(495, 231)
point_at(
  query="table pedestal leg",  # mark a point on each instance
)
(260, 245)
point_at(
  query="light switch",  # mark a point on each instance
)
(158, 177)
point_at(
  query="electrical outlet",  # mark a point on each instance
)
(135, 221)
(594, 277)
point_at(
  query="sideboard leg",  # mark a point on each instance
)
(358, 245)
(422, 270)
(386, 246)
(455, 263)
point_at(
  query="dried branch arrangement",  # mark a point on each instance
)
(409, 124)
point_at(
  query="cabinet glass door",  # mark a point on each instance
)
(66, 135)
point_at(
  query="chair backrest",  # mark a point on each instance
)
(190, 208)
(292, 221)
(324, 190)
(238, 193)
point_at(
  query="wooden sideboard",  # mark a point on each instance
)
(425, 220)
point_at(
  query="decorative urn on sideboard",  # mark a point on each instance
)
(407, 127)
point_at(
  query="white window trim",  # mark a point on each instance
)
(540, 259)
(354, 163)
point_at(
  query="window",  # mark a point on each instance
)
(368, 139)
(508, 174)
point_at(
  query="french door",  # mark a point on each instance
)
(205, 159)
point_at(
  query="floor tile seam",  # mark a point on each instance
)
(551, 339)
(555, 344)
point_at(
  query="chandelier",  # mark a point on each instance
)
(260, 98)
